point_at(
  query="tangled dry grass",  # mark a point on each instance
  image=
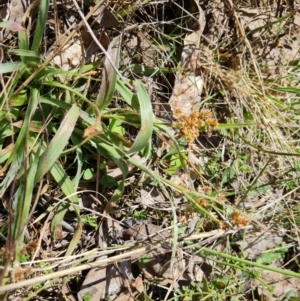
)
(157, 140)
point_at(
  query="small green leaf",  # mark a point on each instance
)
(142, 261)
(88, 173)
(228, 175)
(108, 181)
(87, 296)
(89, 220)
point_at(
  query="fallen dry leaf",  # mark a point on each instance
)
(103, 282)
(188, 85)
(281, 286)
(156, 263)
(70, 56)
(256, 244)
(104, 18)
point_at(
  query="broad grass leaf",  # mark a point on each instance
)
(109, 76)
(127, 95)
(17, 155)
(23, 40)
(113, 153)
(25, 53)
(11, 67)
(65, 88)
(40, 26)
(23, 202)
(66, 185)
(83, 114)
(94, 128)
(59, 141)
(143, 138)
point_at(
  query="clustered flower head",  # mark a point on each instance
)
(221, 198)
(238, 220)
(190, 125)
(202, 203)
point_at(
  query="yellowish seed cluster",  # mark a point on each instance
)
(190, 125)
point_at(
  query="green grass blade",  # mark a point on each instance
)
(23, 40)
(40, 25)
(79, 160)
(65, 88)
(269, 24)
(120, 189)
(112, 152)
(288, 89)
(237, 260)
(66, 185)
(22, 202)
(109, 76)
(10, 67)
(144, 136)
(17, 156)
(58, 142)
(127, 95)
(25, 52)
